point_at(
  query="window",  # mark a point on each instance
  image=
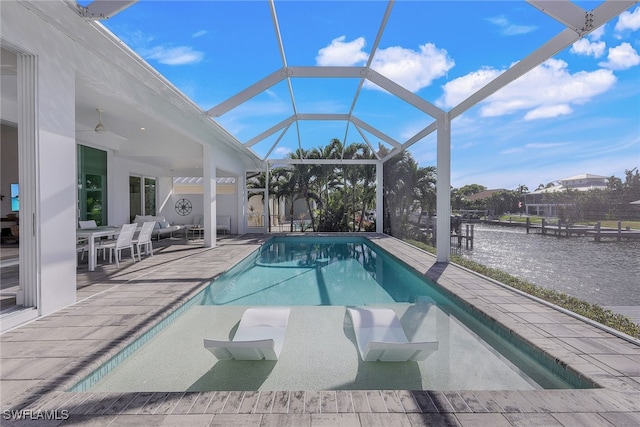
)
(149, 196)
(15, 197)
(142, 198)
(92, 184)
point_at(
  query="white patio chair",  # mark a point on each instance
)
(380, 336)
(124, 241)
(81, 247)
(81, 244)
(144, 239)
(260, 335)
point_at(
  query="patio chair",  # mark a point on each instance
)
(144, 239)
(124, 241)
(81, 244)
(380, 336)
(260, 335)
(82, 247)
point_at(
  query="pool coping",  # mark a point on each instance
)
(597, 354)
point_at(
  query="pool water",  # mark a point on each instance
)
(318, 278)
(321, 271)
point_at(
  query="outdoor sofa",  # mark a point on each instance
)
(162, 228)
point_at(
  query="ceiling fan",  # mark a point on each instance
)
(100, 128)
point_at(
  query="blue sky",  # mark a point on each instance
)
(577, 113)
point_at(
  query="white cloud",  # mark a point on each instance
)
(271, 94)
(544, 145)
(589, 48)
(412, 69)
(457, 90)
(597, 34)
(514, 150)
(341, 53)
(136, 38)
(621, 57)
(548, 90)
(509, 29)
(282, 151)
(628, 20)
(547, 111)
(199, 34)
(179, 55)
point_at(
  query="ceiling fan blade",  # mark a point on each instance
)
(101, 128)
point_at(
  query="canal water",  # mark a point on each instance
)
(605, 273)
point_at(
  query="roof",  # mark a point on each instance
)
(483, 194)
(583, 176)
(558, 188)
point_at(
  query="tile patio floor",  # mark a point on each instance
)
(41, 360)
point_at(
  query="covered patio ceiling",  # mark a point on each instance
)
(317, 101)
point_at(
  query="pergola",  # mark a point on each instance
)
(576, 21)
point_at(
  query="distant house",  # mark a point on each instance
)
(534, 202)
(584, 182)
(476, 213)
(483, 194)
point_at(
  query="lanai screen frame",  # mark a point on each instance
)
(577, 21)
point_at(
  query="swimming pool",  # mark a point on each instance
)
(317, 271)
(319, 351)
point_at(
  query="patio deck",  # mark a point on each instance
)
(42, 359)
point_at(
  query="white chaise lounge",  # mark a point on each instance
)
(260, 335)
(380, 336)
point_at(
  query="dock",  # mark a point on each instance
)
(458, 237)
(596, 231)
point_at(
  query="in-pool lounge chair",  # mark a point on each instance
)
(380, 336)
(260, 335)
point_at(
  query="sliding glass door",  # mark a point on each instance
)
(92, 185)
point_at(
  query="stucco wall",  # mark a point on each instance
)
(67, 50)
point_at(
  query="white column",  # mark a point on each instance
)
(443, 201)
(267, 211)
(379, 197)
(241, 188)
(209, 197)
(54, 220)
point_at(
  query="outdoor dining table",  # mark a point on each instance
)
(91, 234)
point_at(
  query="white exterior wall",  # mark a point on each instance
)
(119, 170)
(55, 147)
(67, 50)
(58, 187)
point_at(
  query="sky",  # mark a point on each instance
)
(578, 112)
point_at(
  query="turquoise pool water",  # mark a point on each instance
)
(318, 278)
(317, 271)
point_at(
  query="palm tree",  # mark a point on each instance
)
(304, 177)
(283, 187)
(425, 191)
(399, 179)
(326, 174)
(258, 182)
(361, 179)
